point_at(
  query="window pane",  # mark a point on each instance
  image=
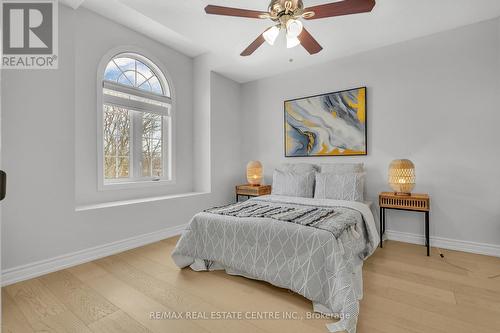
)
(116, 142)
(124, 80)
(109, 145)
(109, 167)
(126, 68)
(123, 167)
(144, 70)
(146, 166)
(125, 63)
(112, 72)
(131, 77)
(151, 157)
(141, 79)
(157, 166)
(152, 152)
(152, 127)
(146, 86)
(156, 86)
(116, 167)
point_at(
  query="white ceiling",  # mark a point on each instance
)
(183, 25)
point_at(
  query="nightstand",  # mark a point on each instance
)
(413, 203)
(252, 190)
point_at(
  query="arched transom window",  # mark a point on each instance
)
(135, 73)
(137, 111)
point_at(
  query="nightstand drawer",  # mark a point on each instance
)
(252, 190)
(418, 202)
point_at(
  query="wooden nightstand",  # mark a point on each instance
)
(252, 190)
(413, 202)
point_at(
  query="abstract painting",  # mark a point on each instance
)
(331, 124)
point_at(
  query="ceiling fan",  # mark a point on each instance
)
(286, 15)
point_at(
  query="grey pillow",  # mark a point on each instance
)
(293, 184)
(298, 167)
(349, 186)
(342, 168)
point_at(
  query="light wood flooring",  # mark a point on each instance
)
(405, 291)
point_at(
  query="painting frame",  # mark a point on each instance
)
(364, 153)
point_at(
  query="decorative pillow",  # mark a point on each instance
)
(293, 184)
(342, 168)
(298, 167)
(349, 186)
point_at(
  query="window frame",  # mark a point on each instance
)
(168, 121)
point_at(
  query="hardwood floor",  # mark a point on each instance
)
(404, 291)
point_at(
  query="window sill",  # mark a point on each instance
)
(135, 184)
(136, 201)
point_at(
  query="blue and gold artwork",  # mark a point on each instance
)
(326, 125)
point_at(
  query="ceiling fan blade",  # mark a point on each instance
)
(228, 11)
(254, 46)
(309, 43)
(345, 7)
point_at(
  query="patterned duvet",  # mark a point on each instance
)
(320, 259)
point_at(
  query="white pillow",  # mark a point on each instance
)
(298, 167)
(349, 186)
(293, 184)
(342, 168)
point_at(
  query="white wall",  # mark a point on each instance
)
(217, 131)
(433, 100)
(201, 146)
(226, 136)
(49, 132)
(38, 150)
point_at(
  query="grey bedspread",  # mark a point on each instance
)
(319, 263)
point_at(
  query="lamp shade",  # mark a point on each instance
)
(254, 172)
(402, 176)
(271, 34)
(291, 41)
(294, 28)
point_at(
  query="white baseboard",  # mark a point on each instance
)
(445, 243)
(32, 270)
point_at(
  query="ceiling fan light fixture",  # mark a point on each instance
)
(291, 41)
(294, 27)
(287, 15)
(271, 34)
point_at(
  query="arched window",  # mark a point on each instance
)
(136, 121)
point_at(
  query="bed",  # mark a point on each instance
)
(314, 247)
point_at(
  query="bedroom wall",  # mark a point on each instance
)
(48, 136)
(433, 100)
